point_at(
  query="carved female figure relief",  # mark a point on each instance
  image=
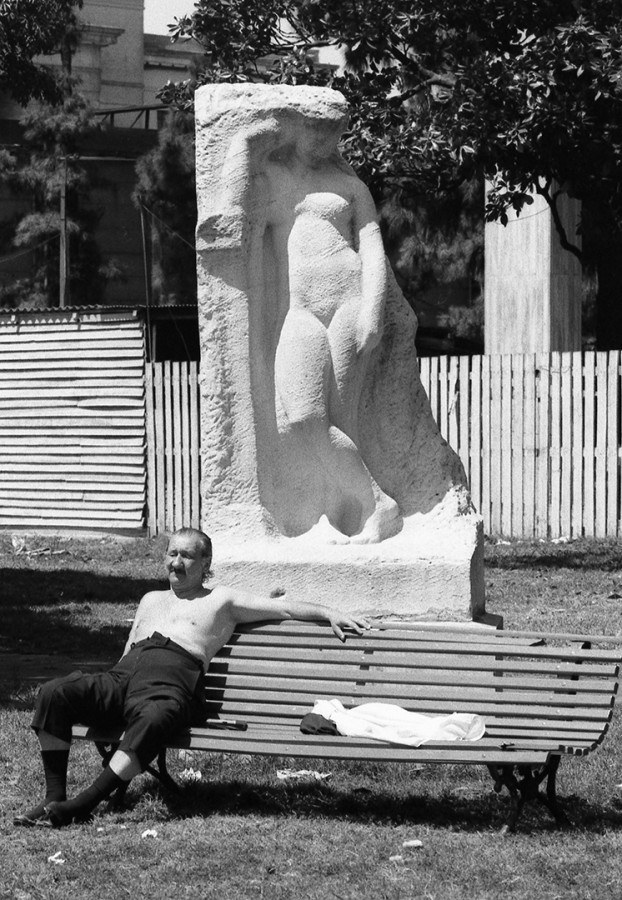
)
(328, 249)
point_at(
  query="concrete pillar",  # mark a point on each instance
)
(532, 285)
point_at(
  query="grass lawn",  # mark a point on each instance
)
(238, 831)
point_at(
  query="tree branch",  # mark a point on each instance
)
(440, 80)
(551, 199)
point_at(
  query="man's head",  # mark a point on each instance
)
(188, 559)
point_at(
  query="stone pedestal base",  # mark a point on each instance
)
(420, 573)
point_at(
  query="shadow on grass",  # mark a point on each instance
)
(483, 811)
(56, 612)
(605, 555)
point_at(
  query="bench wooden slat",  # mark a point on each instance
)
(440, 643)
(285, 728)
(563, 732)
(284, 631)
(275, 731)
(405, 660)
(310, 672)
(412, 631)
(327, 744)
(277, 744)
(233, 706)
(560, 733)
(398, 693)
(479, 649)
(473, 628)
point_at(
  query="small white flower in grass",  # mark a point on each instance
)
(150, 832)
(57, 858)
(191, 775)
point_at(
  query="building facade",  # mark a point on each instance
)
(120, 71)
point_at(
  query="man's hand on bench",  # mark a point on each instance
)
(357, 624)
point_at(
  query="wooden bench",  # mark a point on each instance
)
(542, 696)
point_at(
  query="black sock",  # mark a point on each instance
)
(55, 769)
(86, 801)
(55, 772)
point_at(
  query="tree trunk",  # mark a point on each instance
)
(609, 297)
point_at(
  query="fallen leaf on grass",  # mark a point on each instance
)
(301, 774)
(18, 543)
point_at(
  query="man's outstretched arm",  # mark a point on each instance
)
(249, 608)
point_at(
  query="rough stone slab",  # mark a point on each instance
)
(419, 573)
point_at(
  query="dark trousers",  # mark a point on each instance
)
(152, 692)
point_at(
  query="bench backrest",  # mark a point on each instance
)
(277, 671)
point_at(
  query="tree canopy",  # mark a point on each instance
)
(527, 95)
(166, 193)
(45, 166)
(32, 28)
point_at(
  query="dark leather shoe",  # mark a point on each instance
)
(30, 819)
(54, 816)
(57, 817)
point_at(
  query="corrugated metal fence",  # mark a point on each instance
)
(72, 421)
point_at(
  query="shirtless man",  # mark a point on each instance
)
(156, 687)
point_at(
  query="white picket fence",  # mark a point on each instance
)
(538, 435)
(173, 446)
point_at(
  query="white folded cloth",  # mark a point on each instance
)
(390, 723)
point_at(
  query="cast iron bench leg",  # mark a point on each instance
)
(503, 776)
(523, 784)
(550, 801)
(162, 773)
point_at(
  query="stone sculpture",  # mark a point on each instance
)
(314, 422)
